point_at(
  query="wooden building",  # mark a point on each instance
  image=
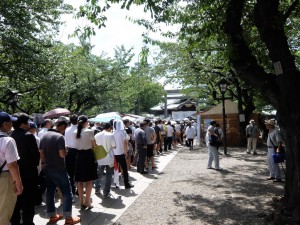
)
(235, 137)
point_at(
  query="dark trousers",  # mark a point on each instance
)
(191, 142)
(167, 143)
(70, 161)
(122, 161)
(142, 153)
(26, 203)
(41, 188)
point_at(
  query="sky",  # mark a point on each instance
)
(118, 31)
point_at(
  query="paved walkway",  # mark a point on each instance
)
(183, 191)
(108, 210)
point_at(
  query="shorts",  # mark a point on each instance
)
(150, 149)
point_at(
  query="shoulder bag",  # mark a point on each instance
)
(1, 168)
(99, 152)
(214, 141)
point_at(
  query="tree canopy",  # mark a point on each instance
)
(39, 73)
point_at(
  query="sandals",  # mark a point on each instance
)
(72, 220)
(54, 219)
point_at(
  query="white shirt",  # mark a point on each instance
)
(107, 140)
(85, 141)
(120, 137)
(177, 127)
(42, 132)
(170, 131)
(190, 132)
(8, 151)
(219, 132)
(210, 129)
(274, 137)
(69, 136)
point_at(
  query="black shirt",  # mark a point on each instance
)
(28, 152)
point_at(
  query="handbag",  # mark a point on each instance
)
(99, 152)
(214, 141)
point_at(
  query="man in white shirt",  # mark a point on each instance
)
(10, 180)
(45, 126)
(107, 140)
(70, 158)
(170, 132)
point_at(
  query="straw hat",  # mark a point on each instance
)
(270, 122)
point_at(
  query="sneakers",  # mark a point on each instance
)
(54, 219)
(248, 152)
(209, 167)
(72, 220)
(107, 196)
(254, 153)
(219, 168)
(129, 186)
(97, 191)
(277, 180)
(270, 178)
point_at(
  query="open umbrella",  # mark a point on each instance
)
(106, 117)
(57, 113)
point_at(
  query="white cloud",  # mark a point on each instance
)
(118, 31)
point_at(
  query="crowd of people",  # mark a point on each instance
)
(57, 157)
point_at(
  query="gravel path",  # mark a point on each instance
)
(188, 193)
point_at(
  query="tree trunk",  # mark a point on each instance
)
(280, 91)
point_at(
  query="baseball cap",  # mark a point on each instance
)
(5, 117)
(32, 124)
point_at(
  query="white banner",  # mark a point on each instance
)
(180, 115)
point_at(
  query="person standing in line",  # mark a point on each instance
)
(165, 131)
(86, 166)
(107, 140)
(151, 139)
(28, 164)
(53, 151)
(212, 150)
(120, 151)
(178, 133)
(70, 158)
(162, 134)
(182, 130)
(46, 125)
(190, 133)
(274, 140)
(41, 186)
(141, 143)
(252, 132)
(128, 131)
(157, 146)
(170, 132)
(10, 179)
